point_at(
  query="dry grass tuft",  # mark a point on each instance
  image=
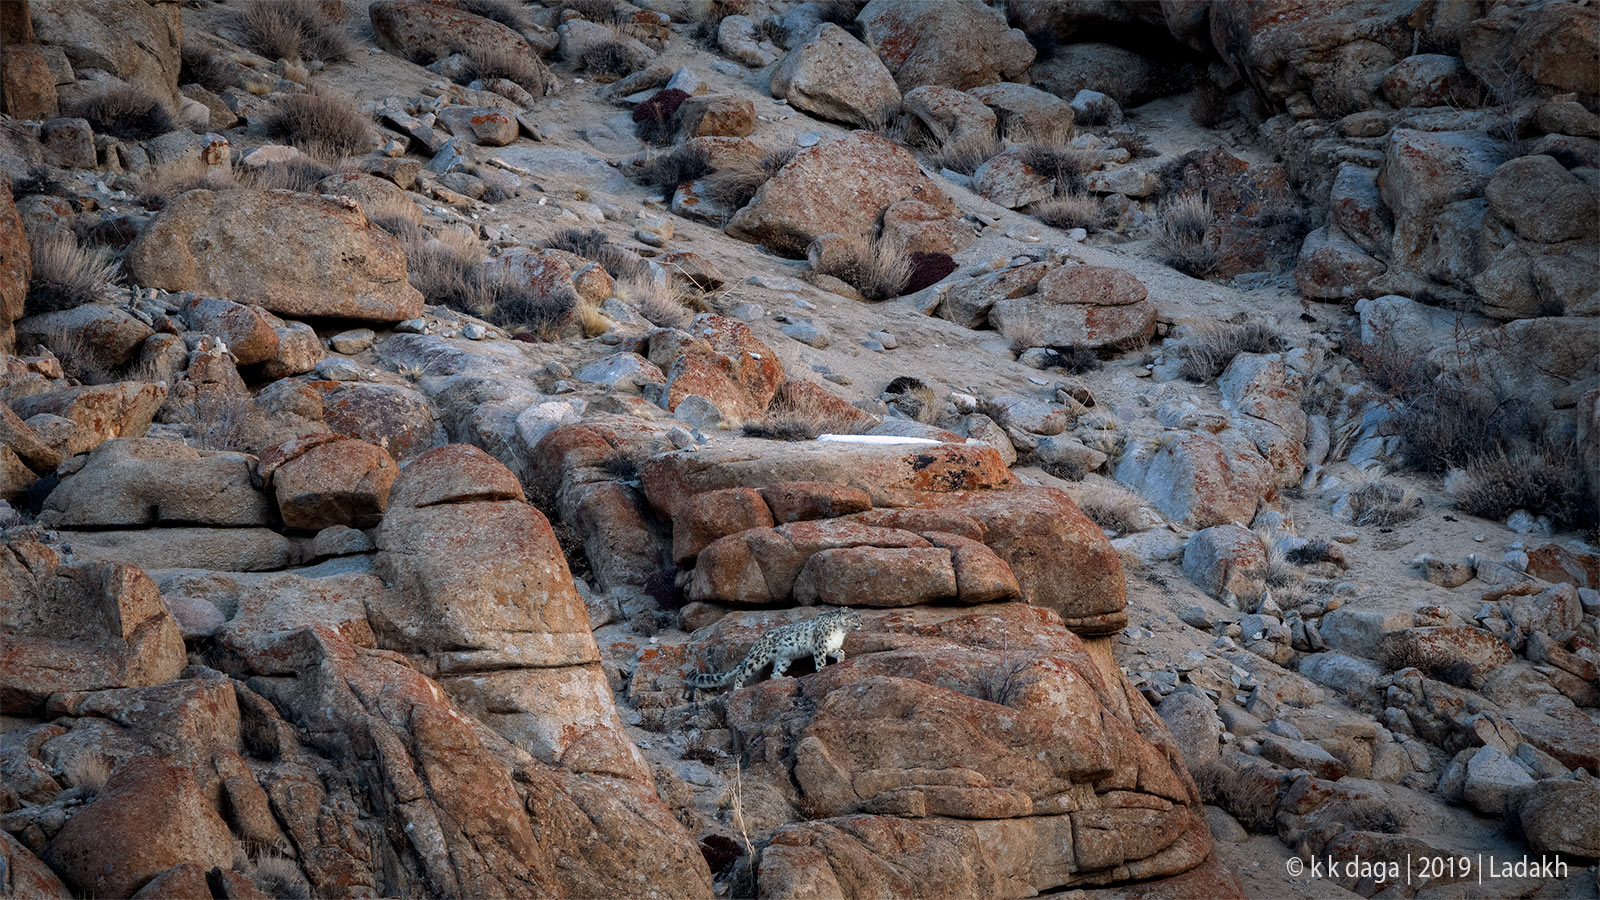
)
(125, 112)
(87, 771)
(321, 125)
(1214, 345)
(880, 270)
(1384, 503)
(1063, 164)
(802, 416)
(591, 320)
(672, 170)
(280, 878)
(967, 154)
(526, 70)
(736, 181)
(913, 397)
(593, 245)
(657, 301)
(221, 421)
(1185, 222)
(1112, 508)
(206, 67)
(302, 30)
(66, 275)
(611, 60)
(526, 312)
(1071, 210)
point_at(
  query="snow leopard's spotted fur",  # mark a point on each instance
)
(819, 637)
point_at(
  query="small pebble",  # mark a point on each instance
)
(874, 346)
(885, 338)
(649, 239)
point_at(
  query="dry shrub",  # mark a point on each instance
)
(526, 70)
(1208, 103)
(296, 30)
(1384, 503)
(612, 60)
(802, 416)
(447, 271)
(967, 154)
(736, 181)
(201, 65)
(913, 397)
(879, 269)
(1250, 797)
(322, 125)
(1185, 223)
(1003, 682)
(670, 171)
(593, 245)
(1317, 551)
(1112, 508)
(1449, 425)
(125, 112)
(37, 180)
(279, 877)
(1137, 145)
(1547, 478)
(1214, 345)
(1072, 209)
(1063, 164)
(527, 312)
(1073, 359)
(66, 275)
(220, 421)
(657, 301)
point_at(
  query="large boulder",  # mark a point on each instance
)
(1552, 44)
(1025, 109)
(425, 32)
(1123, 75)
(958, 44)
(135, 41)
(1542, 201)
(479, 585)
(957, 738)
(329, 479)
(98, 412)
(723, 362)
(1337, 53)
(1422, 172)
(1076, 324)
(1202, 479)
(79, 626)
(149, 817)
(950, 115)
(841, 185)
(294, 254)
(149, 481)
(834, 76)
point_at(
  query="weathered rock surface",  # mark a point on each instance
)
(834, 76)
(961, 44)
(294, 254)
(841, 185)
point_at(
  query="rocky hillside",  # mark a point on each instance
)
(1199, 403)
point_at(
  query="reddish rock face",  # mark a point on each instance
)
(1092, 286)
(913, 739)
(294, 254)
(960, 44)
(149, 817)
(84, 626)
(398, 419)
(840, 185)
(724, 362)
(334, 482)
